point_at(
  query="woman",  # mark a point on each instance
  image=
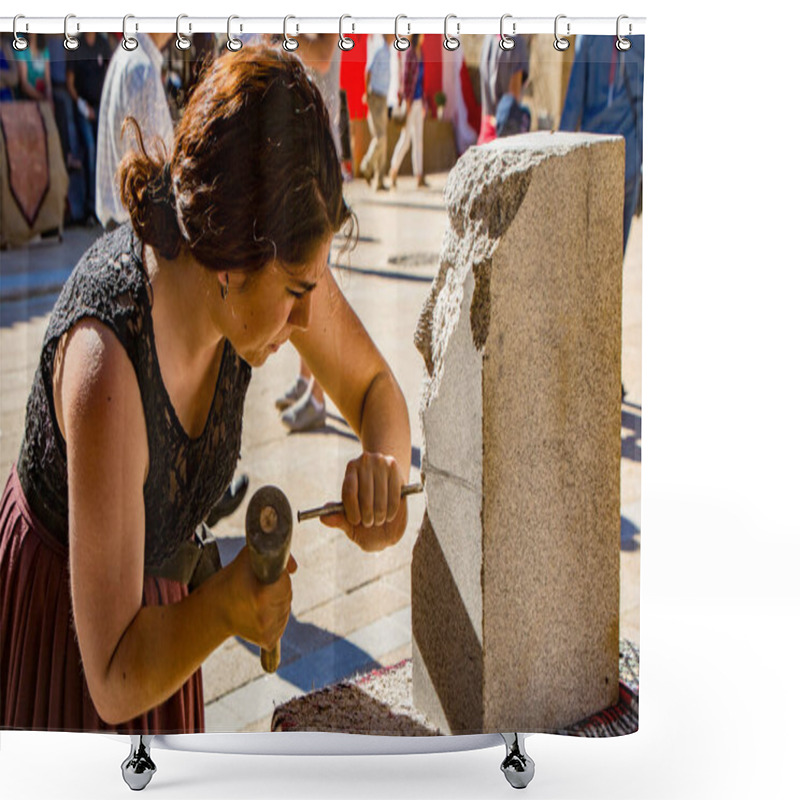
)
(413, 132)
(134, 421)
(34, 70)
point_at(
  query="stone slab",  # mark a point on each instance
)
(515, 575)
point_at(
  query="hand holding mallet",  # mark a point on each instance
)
(268, 530)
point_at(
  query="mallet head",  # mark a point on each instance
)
(268, 528)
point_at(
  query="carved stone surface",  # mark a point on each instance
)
(515, 575)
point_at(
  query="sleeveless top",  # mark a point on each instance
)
(186, 476)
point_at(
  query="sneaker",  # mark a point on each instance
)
(366, 171)
(297, 390)
(304, 415)
(230, 500)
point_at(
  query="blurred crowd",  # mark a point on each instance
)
(603, 96)
(71, 82)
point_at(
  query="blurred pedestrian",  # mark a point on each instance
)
(34, 70)
(503, 75)
(604, 95)
(64, 107)
(377, 77)
(86, 72)
(411, 93)
(132, 87)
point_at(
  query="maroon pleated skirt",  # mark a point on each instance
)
(42, 686)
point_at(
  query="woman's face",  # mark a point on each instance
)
(263, 309)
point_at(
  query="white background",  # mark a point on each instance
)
(720, 602)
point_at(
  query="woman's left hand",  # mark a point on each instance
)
(375, 515)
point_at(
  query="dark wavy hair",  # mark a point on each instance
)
(253, 174)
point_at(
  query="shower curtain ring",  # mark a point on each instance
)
(506, 42)
(451, 42)
(400, 42)
(560, 43)
(289, 44)
(181, 42)
(70, 42)
(622, 44)
(20, 43)
(233, 44)
(129, 43)
(345, 42)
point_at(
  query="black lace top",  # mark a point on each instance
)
(186, 476)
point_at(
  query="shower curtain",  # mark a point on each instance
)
(480, 325)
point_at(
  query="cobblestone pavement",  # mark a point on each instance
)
(351, 609)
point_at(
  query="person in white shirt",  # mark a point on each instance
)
(132, 88)
(303, 404)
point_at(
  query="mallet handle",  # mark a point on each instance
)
(338, 508)
(268, 532)
(271, 659)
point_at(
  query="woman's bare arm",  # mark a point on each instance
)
(134, 657)
(344, 359)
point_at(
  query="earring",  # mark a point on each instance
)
(223, 290)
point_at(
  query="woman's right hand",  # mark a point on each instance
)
(258, 612)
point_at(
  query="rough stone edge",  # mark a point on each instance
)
(482, 217)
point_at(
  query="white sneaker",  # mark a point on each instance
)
(305, 415)
(297, 390)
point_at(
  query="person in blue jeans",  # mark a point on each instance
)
(604, 95)
(86, 72)
(65, 111)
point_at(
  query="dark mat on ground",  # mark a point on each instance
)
(379, 703)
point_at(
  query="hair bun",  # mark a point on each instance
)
(146, 191)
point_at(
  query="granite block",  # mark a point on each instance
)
(515, 574)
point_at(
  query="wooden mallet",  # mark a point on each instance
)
(268, 529)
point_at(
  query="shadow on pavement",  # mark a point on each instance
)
(384, 273)
(632, 434)
(367, 201)
(25, 309)
(628, 531)
(311, 656)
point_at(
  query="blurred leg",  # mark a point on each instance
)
(90, 161)
(416, 115)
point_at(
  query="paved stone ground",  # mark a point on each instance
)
(351, 610)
